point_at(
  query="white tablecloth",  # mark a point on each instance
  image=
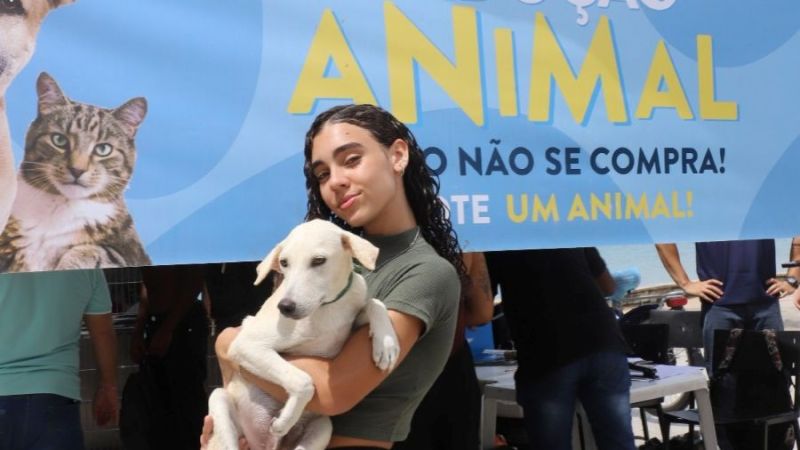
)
(500, 391)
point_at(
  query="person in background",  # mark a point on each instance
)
(231, 294)
(625, 280)
(569, 345)
(41, 315)
(171, 339)
(793, 274)
(449, 417)
(736, 284)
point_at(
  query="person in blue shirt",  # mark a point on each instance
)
(736, 283)
(40, 329)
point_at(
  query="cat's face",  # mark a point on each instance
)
(79, 150)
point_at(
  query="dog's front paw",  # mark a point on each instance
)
(385, 350)
(280, 427)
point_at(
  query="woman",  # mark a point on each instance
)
(365, 172)
(449, 417)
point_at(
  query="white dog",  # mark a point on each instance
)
(312, 312)
(19, 24)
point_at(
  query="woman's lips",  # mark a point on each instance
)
(347, 201)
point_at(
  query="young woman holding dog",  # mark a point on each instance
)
(365, 172)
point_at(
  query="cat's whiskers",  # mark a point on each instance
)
(36, 178)
(36, 163)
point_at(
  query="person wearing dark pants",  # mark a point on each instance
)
(569, 346)
(549, 402)
(171, 344)
(736, 283)
(40, 390)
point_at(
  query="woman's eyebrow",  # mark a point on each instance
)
(337, 151)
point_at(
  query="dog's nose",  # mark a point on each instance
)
(287, 307)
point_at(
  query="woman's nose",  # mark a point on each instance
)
(338, 178)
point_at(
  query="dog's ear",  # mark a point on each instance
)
(50, 95)
(269, 263)
(361, 249)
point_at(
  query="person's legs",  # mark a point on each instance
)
(719, 317)
(40, 422)
(604, 392)
(185, 365)
(12, 413)
(548, 405)
(767, 316)
(464, 427)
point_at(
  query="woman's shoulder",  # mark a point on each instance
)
(428, 267)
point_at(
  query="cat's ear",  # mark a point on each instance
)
(132, 113)
(50, 95)
(56, 3)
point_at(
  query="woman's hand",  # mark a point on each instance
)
(208, 429)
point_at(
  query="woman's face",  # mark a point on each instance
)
(361, 180)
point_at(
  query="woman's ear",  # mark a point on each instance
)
(398, 154)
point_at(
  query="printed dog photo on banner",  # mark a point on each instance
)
(19, 25)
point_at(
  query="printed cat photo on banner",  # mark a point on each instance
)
(69, 211)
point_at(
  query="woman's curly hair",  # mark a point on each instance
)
(421, 184)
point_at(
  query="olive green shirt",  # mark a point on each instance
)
(412, 278)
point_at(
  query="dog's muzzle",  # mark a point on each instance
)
(288, 308)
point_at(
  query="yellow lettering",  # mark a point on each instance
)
(637, 209)
(406, 44)
(603, 206)
(545, 212)
(506, 72)
(511, 211)
(660, 207)
(677, 212)
(329, 45)
(710, 108)
(578, 209)
(662, 68)
(600, 64)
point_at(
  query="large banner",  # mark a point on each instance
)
(168, 132)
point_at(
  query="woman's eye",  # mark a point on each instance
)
(353, 160)
(103, 149)
(322, 176)
(59, 140)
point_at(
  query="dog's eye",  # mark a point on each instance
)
(284, 262)
(59, 140)
(318, 261)
(12, 6)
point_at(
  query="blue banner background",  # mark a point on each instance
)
(219, 170)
